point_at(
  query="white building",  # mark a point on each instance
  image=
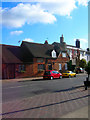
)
(74, 50)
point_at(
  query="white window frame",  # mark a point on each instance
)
(60, 66)
(63, 54)
(65, 66)
(54, 54)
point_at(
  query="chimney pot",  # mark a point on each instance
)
(61, 39)
(46, 42)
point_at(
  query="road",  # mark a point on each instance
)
(17, 90)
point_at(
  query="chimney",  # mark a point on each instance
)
(77, 43)
(46, 42)
(87, 49)
(61, 39)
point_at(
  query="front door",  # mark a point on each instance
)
(11, 71)
(49, 66)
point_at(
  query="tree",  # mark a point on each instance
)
(87, 68)
(70, 66)
(82, 63)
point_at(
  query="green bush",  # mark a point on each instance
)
(82, 63)
(87, 68)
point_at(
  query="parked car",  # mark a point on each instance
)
(79, 70)
(51, 74)
(69, 74)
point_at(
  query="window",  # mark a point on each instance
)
(53, 72)
(49, 66)
(66, 66)
(40, 60)
(83, 54)
(63, 54)
(41, 67)
(68, 52)
(53, 54)
(21, 68)
(60, 67)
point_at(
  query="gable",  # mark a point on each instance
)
(11, 54)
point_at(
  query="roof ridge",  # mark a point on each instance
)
(9, 45)
(36, 43)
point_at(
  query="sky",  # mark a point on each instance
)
(40, 20)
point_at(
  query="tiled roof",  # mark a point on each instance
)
(28, 50)
(11, 54)
(37, 50)
(59, 47)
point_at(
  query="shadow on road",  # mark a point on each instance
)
(69, 89)
(37, 80)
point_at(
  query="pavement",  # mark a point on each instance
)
(21, 79)
(71, 103)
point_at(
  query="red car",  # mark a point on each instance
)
(51, 74)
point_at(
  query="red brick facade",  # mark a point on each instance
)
(31, 70)
(32, 59)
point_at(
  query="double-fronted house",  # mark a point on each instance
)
(32, 59)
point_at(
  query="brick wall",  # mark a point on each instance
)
(35, 67)
(8, 71)
(31, 70)
(27, 73)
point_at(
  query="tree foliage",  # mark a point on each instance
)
(82, 63)
(87, 68)
(70, 66)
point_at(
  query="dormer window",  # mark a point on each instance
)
(54, 54)
(63, 54)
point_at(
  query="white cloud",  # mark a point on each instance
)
(84, 40)
(28, 40)
(25, 13)
(59, 7)
(83, 2)
(43, 12)
(83, 43)
(16, 32)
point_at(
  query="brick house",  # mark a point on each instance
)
(32, 59)
(10, 61)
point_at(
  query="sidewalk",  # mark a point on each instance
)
(72, 103)
(21, 79)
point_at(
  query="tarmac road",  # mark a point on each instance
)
(24, 89)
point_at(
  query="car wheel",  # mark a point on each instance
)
(69, 76)
(51, 77)
(85, 87)
(74, 75)
(60, 77)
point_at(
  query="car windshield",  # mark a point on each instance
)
(47, 73)
(67, 72)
